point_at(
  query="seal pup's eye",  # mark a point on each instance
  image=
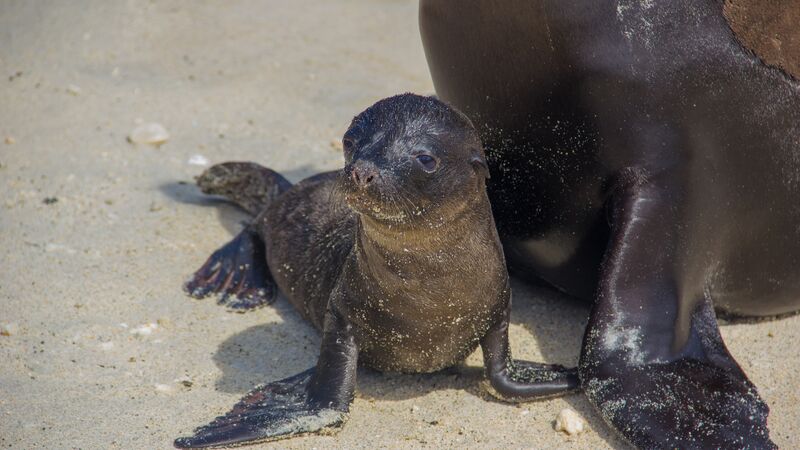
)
(428, 162)
(348, 143)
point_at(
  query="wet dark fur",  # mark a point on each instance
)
(644, 160)
(409, 286)
(395, 259)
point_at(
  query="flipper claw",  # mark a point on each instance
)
(237, 273)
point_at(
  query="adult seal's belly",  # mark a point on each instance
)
(641, 158)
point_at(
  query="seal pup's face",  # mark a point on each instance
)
(411, 158)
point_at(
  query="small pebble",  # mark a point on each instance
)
(74, 90)
(144, 330)
(52, 247)
(10, 140)
(336, 145)
(106, 345)
(198, 160)
(185, 381)
(50, 200)
(7, 329)
(163, 387)
(149, 133)
(569, 422)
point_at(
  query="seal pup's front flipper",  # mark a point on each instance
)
(269, 412)
(653, 362)
(309, 402)
(237, 273)
(516, 380)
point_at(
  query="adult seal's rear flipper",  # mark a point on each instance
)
(653, 363)
(273, 411)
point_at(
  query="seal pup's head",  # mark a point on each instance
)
(411, 158)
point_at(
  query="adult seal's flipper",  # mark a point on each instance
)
(653, 363)
(274, 411)
(237, 273)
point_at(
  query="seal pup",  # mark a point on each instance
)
(395, 259)
(646, 161)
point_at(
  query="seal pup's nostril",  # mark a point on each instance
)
(362, 176)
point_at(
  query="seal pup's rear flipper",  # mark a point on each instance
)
(653, 361)
(237, 273)
(310, 402)
(249, 185)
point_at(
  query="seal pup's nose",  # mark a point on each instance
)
(363, 175)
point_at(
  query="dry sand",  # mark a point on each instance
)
(274, 82)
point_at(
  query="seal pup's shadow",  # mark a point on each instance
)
(280, 349)
(277, 350)
(267, 352)
(232, 218)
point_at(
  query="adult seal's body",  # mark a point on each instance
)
(395, 259)
(643, 159)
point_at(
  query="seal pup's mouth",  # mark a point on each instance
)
(378, 205)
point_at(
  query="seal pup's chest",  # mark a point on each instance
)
(424, 317)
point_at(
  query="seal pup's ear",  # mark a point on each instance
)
(479, 164)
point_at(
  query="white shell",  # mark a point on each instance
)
(144, 330)
(198, 160)
(8, 329)
(149, 133)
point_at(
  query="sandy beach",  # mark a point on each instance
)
(101, 349)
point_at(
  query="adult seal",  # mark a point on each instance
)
(395, 259)
(642, 159)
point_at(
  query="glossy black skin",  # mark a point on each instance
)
(395, 259)
(642, 159)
